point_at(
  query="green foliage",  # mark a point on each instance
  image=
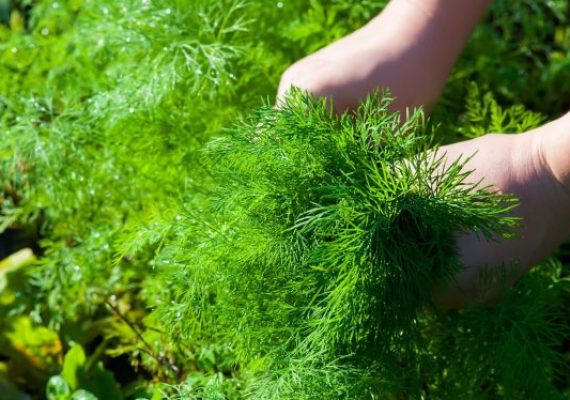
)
(521, 55)
(484, 115)
(317, 255)
(281, 257)
(79, 374)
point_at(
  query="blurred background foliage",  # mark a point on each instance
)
(105, 107)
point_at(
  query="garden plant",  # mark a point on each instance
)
(167, 232)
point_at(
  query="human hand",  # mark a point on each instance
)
(410, 49)
(526, 166)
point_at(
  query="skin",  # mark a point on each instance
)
(411, 48)
(525, 165)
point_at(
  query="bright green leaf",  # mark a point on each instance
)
(73, 366)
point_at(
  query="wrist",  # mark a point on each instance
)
(421, 39)
(554, 139)
(446, 22)
(550, 146)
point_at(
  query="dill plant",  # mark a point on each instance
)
(272, 258)
(318, 253)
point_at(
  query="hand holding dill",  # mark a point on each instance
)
(410, 49)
